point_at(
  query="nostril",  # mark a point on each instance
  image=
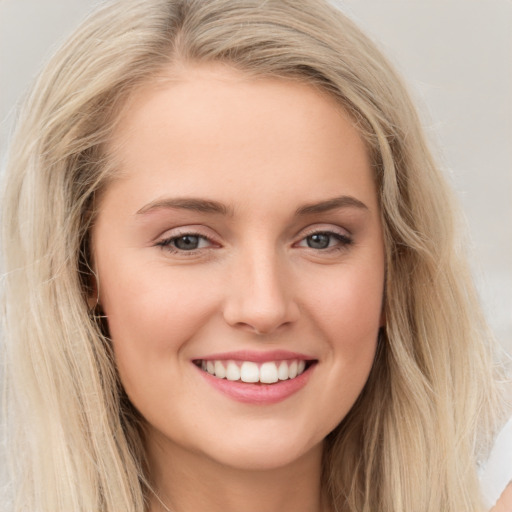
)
(261, 327)
(260, 305)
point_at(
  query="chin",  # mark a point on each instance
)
(263, 460)
(264, 452)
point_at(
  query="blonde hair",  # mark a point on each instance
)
(410, 442)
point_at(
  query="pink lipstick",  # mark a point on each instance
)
(257, 377)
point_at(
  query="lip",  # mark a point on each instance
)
(256, 357)
(257, 393)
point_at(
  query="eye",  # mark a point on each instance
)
(185, 242)
(322, 240)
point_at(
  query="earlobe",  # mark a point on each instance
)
(93, 292)
(382, 323)
(92, 303)
(90, 277)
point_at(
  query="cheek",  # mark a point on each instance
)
(349, 304)
(151, 311)
(347, 312)
(152, 314)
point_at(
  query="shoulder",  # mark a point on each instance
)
(496, 475)
(504, 504)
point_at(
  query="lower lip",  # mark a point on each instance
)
(258, 394)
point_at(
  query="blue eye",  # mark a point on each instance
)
(185, 242)
(318, 241)
(325, 240)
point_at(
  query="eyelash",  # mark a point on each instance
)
(343, 242)
(167, 243)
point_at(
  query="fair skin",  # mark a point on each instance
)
(504, 504)
(244, 226)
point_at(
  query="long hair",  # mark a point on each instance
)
(411, 441)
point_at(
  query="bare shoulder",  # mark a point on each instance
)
(504, 504)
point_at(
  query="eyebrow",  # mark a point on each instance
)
(331, 204)
(209, 206)
(187, 203)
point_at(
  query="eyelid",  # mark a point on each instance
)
(323, 228)
(342, 236)
(199, 231)
(193, 230)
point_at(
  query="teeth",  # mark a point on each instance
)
(233, 371)
(251, 372)
(220, 371)
(268, 373)
(282, 371)
(292, 370)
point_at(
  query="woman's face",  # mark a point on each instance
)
(242, 238)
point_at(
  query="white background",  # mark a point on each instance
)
(456, 56)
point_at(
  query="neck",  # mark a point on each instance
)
(188, 482)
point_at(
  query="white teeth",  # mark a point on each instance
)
(220, 371)
(268, 373)
(282, 371)
(292, 370)
(233, 371)
(248, 371)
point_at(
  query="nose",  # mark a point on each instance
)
(260, 297)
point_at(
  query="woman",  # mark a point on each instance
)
(233, 278)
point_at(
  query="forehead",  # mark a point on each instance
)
(212, 130)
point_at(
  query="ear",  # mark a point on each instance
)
(382, 318)
(93, 297)
(89, 275)
(92, 287)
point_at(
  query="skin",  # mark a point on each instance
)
(263, 149)
(504, 504)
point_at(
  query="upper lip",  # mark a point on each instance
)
(256, 356)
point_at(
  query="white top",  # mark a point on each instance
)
(497, 472)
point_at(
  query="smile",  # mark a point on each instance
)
(257, 378)
(268, 372)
